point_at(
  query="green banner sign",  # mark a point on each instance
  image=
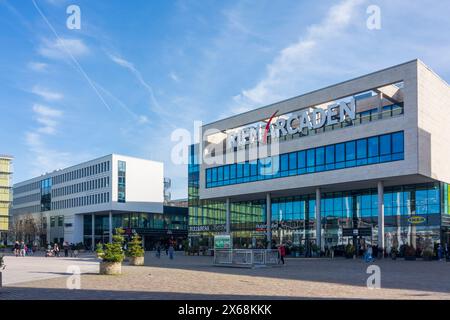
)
(222, 241)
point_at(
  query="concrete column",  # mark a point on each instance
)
(228, 216)
(93, 232)
(318, 220)
(380, 216)
(269, 220)
(110, 227)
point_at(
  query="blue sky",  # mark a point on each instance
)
(138, 70)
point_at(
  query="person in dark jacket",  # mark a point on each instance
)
(282, 252)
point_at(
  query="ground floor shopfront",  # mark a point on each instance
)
(415, 214)
(154, 228)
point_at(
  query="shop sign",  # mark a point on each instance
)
(416, 219)
(222, 241)
(355, 232)
(198, 228)
(206, 228)
(310, 118)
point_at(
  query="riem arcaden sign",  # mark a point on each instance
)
(296, 122)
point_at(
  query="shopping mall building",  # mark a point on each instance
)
(365, 161)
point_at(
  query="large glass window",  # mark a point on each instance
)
(121, 185)
(350, 154)
(361, 153)
(372, 150)
(320, 159)
(329, 158)
(384, 148)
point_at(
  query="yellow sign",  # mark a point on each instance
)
(416, 219)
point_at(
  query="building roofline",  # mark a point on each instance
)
(432, 71)
(6, 156)
(324, 88)
(81, 163)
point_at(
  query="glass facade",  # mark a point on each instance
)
(46, 194)
(121, 182)
(416, 214)
(5, 192)
(354, 153)
(174, 220)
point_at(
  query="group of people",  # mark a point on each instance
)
(21, 249)
(55, 250)
(169, 248)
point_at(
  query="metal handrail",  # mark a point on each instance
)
(245, 257)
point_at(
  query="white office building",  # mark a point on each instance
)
(88, 200)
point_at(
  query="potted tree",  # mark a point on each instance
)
(80, 247)
(410, 253)
(99, 250)
(113, 255)
(135, 251)
(349, 251)
(186, 247)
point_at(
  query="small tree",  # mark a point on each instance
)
(135, 247)
(113, 251)
(99, 249)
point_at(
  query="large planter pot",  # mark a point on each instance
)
(110, 268)
(136, 261)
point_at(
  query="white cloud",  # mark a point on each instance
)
(174, 76)
(137, 74)
(62, 48)
(287, 69)
(46, 159)
(56, 2)
(47, 117)
(47, 94)
(143, 119)
(38, 66)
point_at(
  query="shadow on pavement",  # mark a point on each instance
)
(417, 275)
(25, 293)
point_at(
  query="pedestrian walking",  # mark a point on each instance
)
(439, 251)
(158, 251)
(56, 250)
(446, 250)
(16, 248)
(282, 252)
(22, 249)
(66, 249)
(368, 255)
(171, 250)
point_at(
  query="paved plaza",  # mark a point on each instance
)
(194, 277)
